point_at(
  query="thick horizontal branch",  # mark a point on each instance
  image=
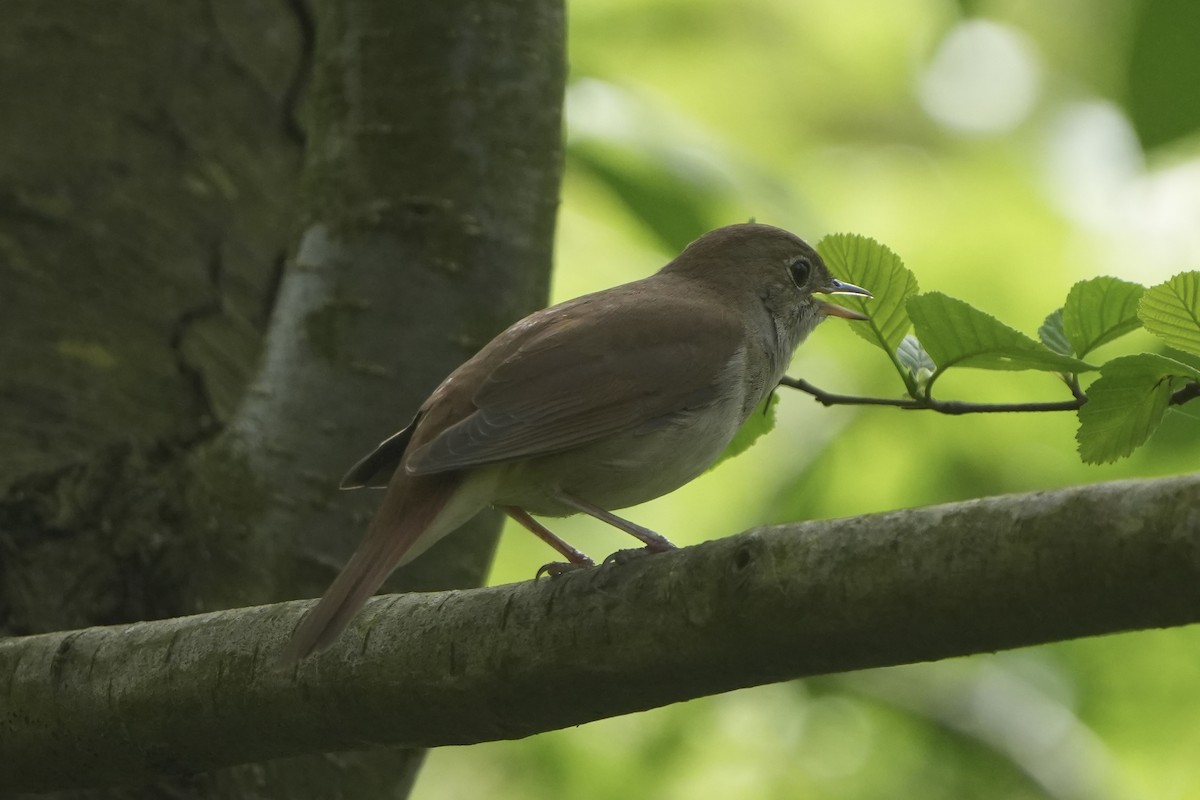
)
(120, 704)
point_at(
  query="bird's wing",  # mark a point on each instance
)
(584, 371)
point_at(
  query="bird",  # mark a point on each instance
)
(590, 406)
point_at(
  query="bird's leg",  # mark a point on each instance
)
(654, 542)
(576, 559)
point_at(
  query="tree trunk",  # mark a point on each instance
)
(152, 156)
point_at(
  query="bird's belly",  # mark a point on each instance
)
(623, 469)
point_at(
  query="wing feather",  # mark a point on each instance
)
(586, 371)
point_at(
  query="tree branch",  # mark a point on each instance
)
(106, 705)
(1189, 392)
(954, 407)
(958, 407)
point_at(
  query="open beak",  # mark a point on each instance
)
(834, 310)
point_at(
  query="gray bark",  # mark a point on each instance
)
(143, 250)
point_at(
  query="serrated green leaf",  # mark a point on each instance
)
(1171, 311)
(912, 356)
(1126, 403)
(1052, 334)
(761, 421)
(1099, 310)
(871, 265)
(956, 334)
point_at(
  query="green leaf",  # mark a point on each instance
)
(1052, 334)
(1171, 311)
(871, 265)
(912, 356)
(1126, 403)
(1162, 65)
(761, 421)
(956, 334)
(1099, 310)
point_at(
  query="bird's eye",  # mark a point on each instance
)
(799, 268)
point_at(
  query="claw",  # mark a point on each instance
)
(632, 554)
(556, 568)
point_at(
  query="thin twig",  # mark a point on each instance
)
(953, 407)
(1189, 392)
(956, 407)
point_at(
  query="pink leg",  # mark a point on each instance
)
(653, 541)
(575, 558)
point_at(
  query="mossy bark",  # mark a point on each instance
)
(214, 303)
(149, 161)
(509, 661)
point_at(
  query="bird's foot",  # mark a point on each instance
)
(576, 559)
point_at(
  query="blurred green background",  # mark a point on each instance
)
(1005, 150)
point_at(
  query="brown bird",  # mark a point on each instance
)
(595, 404)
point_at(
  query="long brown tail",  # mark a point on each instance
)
(410, 506)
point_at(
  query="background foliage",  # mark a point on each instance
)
(1005, 150)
